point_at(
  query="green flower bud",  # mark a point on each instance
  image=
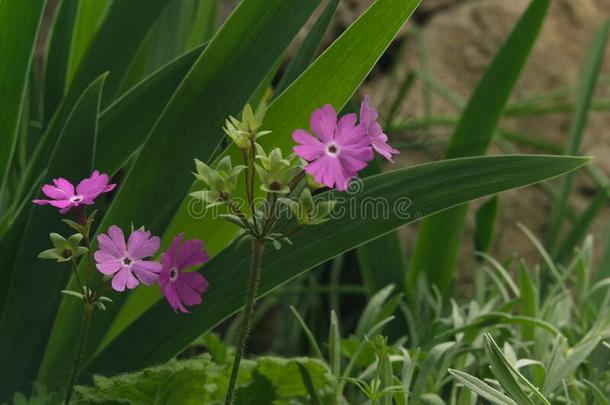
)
(244, 132)
(64, 249)
(220, 181)
(274, 171)
(309, 211)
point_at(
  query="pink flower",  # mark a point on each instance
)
(126, 262)
(339, 150)
(179, 287)
(379, 140)
(64, 197)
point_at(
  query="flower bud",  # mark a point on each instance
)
(274, 171)
(220, 181)
(64, 249)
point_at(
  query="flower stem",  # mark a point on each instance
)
(88, 312)
(77, 277)
(255, 269)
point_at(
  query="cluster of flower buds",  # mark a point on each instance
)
(275, 171)
(307, 210)
(221, 181)
(244, 133)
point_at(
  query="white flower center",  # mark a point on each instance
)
(173, 274)
(76, 198)
(332, 149)
(127, 261)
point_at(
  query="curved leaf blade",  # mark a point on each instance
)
(126, 123)
(18, 29)
(405, 195)
(335, 76)
(33, 295)
(218, 84)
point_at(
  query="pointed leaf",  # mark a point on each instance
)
(432, 187)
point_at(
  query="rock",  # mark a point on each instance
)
(460, 42)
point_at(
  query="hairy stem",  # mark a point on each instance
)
(271, 216)
(250, 186)
(234, 207)
(257, 253)
(88, 312)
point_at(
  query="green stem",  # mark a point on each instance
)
(90, 292)
(272, 216)
(77, 276)
(255, 269)
(244, 220)
(88, 311)
(296, 180)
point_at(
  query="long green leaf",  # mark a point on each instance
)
(18, 29)
(529, 301)
(409, 193)
(126, 123)
(504, 372)
(111, 50)
(588, 80)
(205, 23)
(168, 39)
(218, 84)
(382, 261)
(308, 49)
(127, 24)
(485, 221)
(58, 56)
(473, 133)
(481, 388)
(34, 295)
(333, 78)
(89, 16)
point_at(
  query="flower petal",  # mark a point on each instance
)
(309, 148)
(132, 281)
(172, 298)
(146, 271)
(347, 131)
(141, 244)
(191, 253)
(380, 143)
(64, 185)
(186, 293)
(328, 171)
(119, 281)
(195, 280)
(102, 256)
(60, 203)
(308, 153)
(55, 193)
(93, 186)
(169, 256)
(368, 114)
(109, 267)
(114, 242)
(323, 122)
